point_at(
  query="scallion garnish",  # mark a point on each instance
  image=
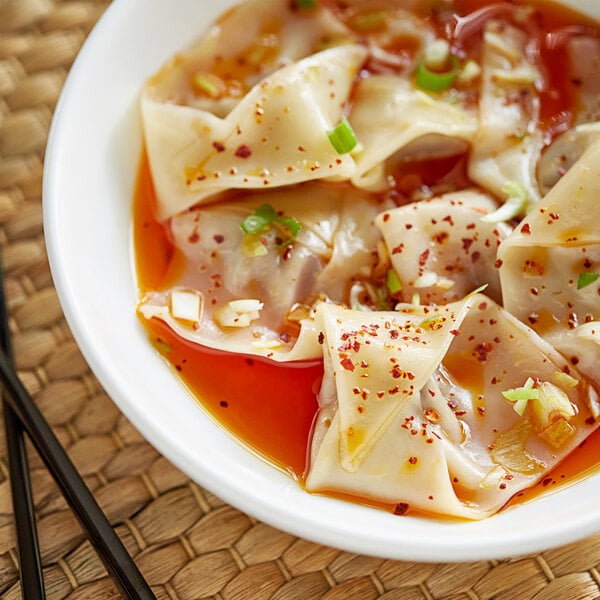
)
(521, 396)
(515, 204)
(304, 4)
(372, 21)
(432, 81)
(292, 225)
(259, 221)
(586, 279)
(392, 282)
(209, 84)
(342, 137)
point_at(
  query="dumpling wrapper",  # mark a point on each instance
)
(441, 249)
(336, 246)
(275, 136)
(508, 143)
(543, 258)
(433, 446)
(388, 113)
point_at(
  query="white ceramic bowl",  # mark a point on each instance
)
(91, 164)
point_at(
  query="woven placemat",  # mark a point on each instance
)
(188, 543)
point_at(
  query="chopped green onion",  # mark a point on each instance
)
(253, 245)
(392, 281)
(260, 219)
(479, 290)
(303, 4)
(342, 138)
(431, 320)
(432, 81)
(209, 84)
(372, 21)
(514, 205)
(292, 225)
(520, 396)
(586, 279)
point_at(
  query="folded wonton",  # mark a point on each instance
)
(508, 142)
(403, 114)
(441, 248)
(276, 135)
(336, 246)
(551, 266)
(412, 410)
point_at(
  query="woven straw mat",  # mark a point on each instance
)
(188, 543)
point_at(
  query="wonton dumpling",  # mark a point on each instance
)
(335, 246)
(507, 144)
(388, 113)
(276, 135)
(545, 255)
(244, 46)
(441, 249)
(430, 427)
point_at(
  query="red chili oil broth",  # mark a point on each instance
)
(271, 407)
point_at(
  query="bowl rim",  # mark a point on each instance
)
(83, 125)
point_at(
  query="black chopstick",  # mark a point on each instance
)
(28, 550)
(99, 531)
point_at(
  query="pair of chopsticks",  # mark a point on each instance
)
(21, 416)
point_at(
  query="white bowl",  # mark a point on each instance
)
(90, 170)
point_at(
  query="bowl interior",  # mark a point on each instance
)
(90, 171)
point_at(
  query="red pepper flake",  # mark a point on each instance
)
(455, 332)
(482, 350)
(423, 257)
(398, 249)
(471, 226)
(401, 508)
(219, 238)
(412, 460)
(386, 217)
(347, 364)
(431, 415)
(408, 226)
(475, 256)
(532, 267)
(321, 338)
(466, 243)
(243, 151)
(223, 403)
(194, 238)
(218, 146)
(301, 148)
(526, 229)
(441, 237)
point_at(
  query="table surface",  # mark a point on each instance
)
(188, 543)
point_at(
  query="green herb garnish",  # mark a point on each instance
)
(343, 138)
(260, 221)
(515, 204)
(304, 4)
(392, 282)
(432, 81)
(586, 279)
